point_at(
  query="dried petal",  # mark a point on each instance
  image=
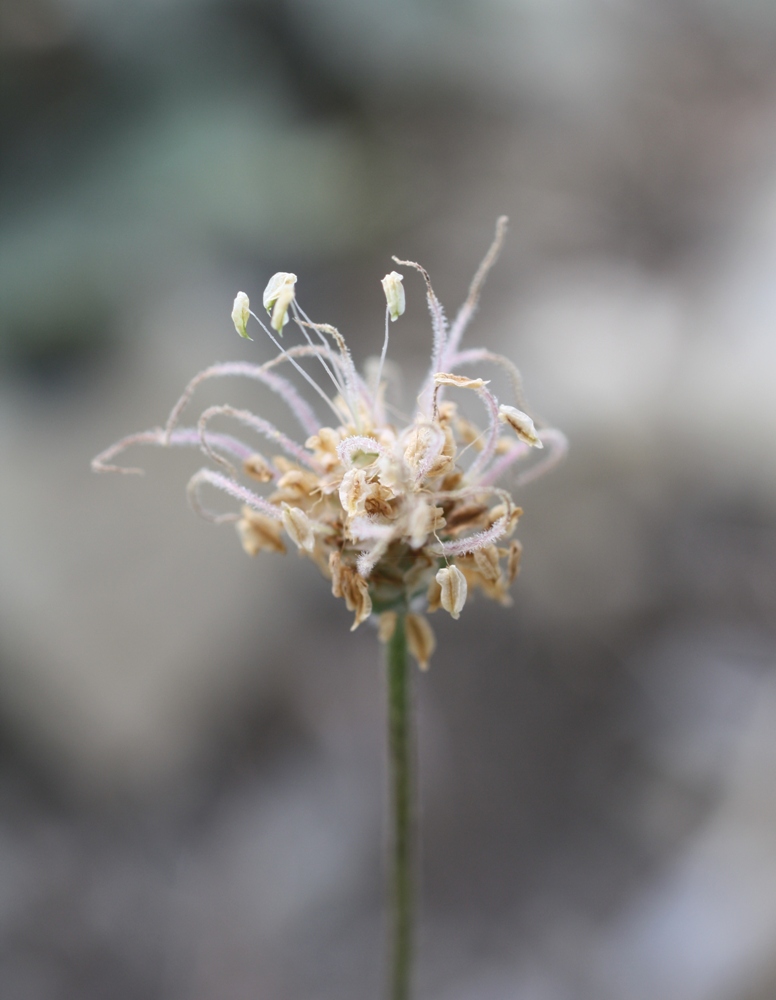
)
(467, 516)
(420, 639)
(356, 593)
(324, 447)
(521, 424)
(297, 484)
(444, 378)
(257, 532)
(361, 495)
(353, 491)
(453, 587)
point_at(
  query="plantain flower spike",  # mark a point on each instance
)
(400, 517)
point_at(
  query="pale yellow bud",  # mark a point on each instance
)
(299, 527)
(453, 588)
(278, 296)
(394, 294)
(521, 424)
(420, 639)
(241, 313)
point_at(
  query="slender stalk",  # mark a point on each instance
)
(400, 752)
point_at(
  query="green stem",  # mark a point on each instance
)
(400, 750)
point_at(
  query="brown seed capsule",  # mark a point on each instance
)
(355, 590)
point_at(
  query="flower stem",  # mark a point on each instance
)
(400, 750)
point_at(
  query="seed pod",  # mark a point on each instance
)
(453, 588)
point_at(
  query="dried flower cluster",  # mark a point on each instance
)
(399, 518)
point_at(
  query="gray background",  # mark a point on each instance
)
(191, 742)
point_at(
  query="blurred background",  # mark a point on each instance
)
(191, 742)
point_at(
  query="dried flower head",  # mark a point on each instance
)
(400, 517)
